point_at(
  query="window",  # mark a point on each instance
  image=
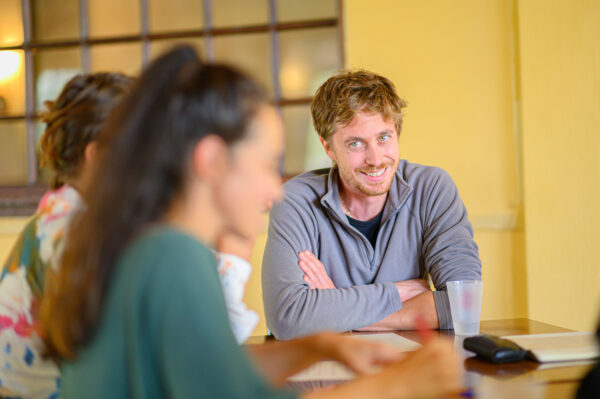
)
(290, 46)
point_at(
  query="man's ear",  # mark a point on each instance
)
(209, 157)
(327, 148)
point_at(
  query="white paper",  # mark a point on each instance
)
(395, 340)
(333, 371)
(324, 371)
(559, 347)
(570, 363)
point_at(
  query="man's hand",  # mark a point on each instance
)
(314, 271)
(411, 288)
(422, 305)
(415, 295)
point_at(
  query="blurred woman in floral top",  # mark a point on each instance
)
(73, 123)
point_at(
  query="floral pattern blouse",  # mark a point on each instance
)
(23, 371)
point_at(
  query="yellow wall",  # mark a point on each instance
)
(452, 62)
(253, 297)
(560, 78)
(9, 231)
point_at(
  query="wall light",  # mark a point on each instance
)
(294, 78)
(10, 63)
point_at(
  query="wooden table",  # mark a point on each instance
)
(525, 379)
(549, 381)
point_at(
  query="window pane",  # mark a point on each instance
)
(303, 150)
(308, 57)
(11, 23)
(158, 47)
(113, 17)
(125, 58)
(239, 12)
(54, 68)
(43, 174)
(12, 82)
(175, 15)
(13, 152)
(249, 52)
(55, 19)
(294, 10)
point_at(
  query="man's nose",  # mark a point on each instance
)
(374, 155)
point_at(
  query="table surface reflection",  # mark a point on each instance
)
(526, 379)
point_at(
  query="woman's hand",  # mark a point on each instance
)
(279, 360)
(359, 355)
(430, 372)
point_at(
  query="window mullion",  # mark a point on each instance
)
(29, 94)
(274, 50)
(145, 30)
(208, 38)
(340, 26)
(84, 32)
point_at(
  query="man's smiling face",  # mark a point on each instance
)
(366, 153)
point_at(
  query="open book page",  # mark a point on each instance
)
(334, 371)
(559, 347)
(569, 363)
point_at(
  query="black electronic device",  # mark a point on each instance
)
(494, 349)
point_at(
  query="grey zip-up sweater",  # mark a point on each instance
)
(424, 228)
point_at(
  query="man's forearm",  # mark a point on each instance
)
(404, 319)
(302, 311)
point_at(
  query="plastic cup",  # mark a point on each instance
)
(465, 305)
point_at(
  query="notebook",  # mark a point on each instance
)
(558, 347)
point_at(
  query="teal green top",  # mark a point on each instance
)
(164, 331)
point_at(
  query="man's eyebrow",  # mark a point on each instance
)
(356, 138)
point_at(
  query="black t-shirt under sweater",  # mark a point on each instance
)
(369, 229)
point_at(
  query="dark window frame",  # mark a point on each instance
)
(22, 200)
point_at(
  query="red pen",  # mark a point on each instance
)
(422, 328)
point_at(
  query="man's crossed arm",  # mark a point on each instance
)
(416, 297)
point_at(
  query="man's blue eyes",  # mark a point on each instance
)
(356, 144)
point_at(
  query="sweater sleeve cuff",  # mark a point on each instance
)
(442, 307)
(395, 303)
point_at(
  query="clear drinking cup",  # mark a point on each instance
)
(465, 305)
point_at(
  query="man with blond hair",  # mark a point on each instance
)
(349, 247)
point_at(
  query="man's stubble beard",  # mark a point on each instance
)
(371, 190)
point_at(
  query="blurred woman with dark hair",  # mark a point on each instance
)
(73, 123)
(136, 308)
